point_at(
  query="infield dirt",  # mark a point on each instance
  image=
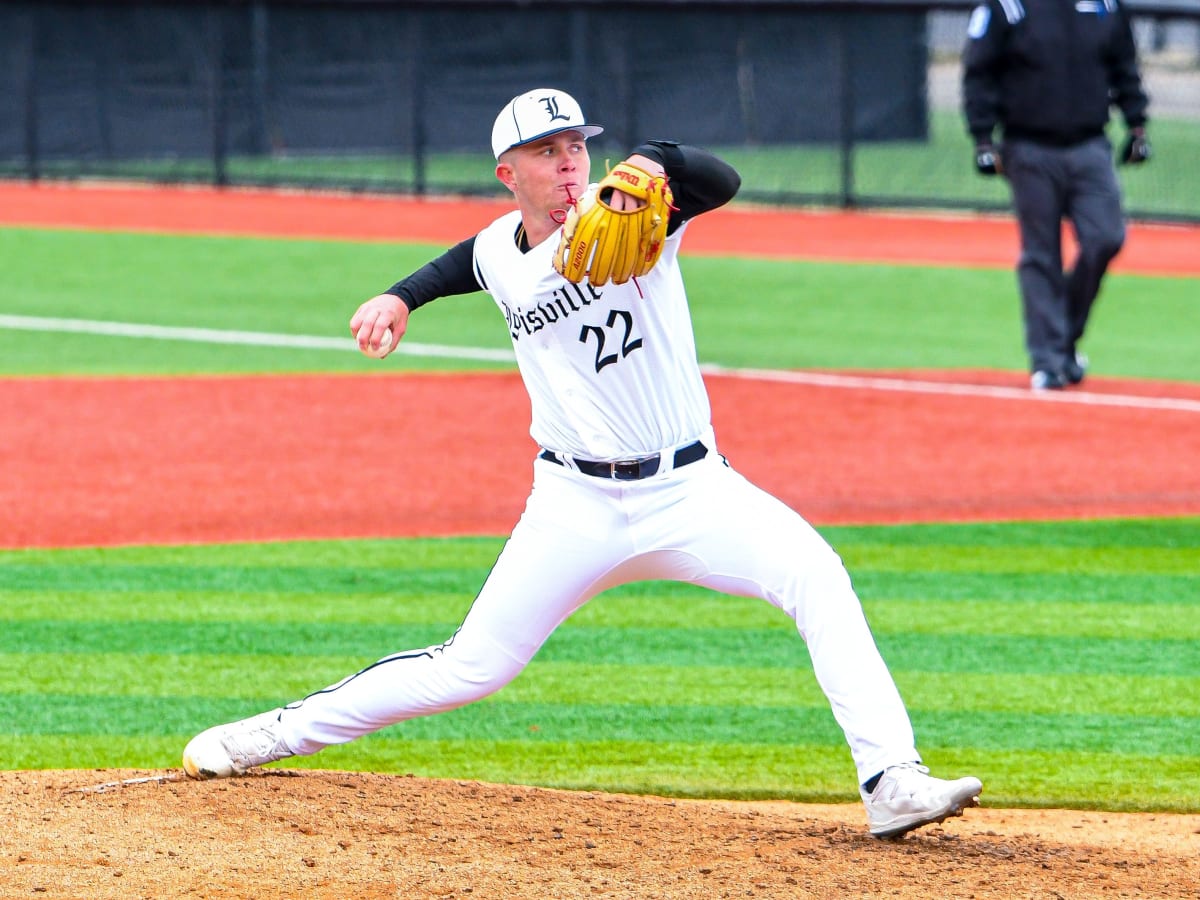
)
(341, 835)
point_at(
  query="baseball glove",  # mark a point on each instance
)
(604, 244)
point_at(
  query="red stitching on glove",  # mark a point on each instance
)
(560, 215)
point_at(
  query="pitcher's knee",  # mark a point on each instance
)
(824, 589)
(466, 681)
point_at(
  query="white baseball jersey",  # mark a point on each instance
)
(611, 371)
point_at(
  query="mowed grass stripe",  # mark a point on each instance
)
(1029, 616)
(751, 647)
(1181, 532)
(354, 578)
(282, 678)
(1022, 560)
(283, 558)
(1033, 617)
(382, 581)
(1139, 590)
(348, 580)
(708, 724)
(202, 593)
(230, 609)
(1084, 577)
(1109, 547)
(414, 554)
(487, 720)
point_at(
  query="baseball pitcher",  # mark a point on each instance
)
(628, 484)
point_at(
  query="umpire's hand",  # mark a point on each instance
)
(1136, 149)
(987, 159)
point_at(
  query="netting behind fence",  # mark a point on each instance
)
(832, 104)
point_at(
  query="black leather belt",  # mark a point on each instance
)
(630, 469)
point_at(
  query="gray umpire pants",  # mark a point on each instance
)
(1050, 184)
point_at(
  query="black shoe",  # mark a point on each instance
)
(1042, 380)
(1075, 369)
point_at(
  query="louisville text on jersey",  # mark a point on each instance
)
(568, 299)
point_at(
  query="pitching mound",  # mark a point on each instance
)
(312, 834)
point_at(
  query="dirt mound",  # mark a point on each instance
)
(314, 834)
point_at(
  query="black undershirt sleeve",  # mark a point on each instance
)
(451, 273)
(699, 180)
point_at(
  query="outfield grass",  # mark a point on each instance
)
(1060, 662)
(754, 313)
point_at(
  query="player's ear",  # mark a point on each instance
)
(506, 175)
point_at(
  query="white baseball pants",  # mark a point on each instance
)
(580, 535)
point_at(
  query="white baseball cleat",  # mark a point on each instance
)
(907, 797)
(231, 749)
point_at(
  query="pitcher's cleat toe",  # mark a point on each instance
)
(907, 797)
(226, 750)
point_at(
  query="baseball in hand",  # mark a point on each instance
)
(385, 344)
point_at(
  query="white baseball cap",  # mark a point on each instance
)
(538, 114)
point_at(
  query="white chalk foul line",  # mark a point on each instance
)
(251, 338)
(819, 379)
(909, 386)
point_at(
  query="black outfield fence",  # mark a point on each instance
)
(830, 103)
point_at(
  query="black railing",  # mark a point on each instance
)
(848, 103)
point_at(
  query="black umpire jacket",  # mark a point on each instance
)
(1048, 70)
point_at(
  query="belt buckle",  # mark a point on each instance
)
(634, 469)
(617, 473)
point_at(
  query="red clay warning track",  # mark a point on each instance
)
(159, 460)
(733, 231)
(109, 461)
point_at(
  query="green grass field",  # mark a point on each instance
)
(754, 313)
(1058, 661)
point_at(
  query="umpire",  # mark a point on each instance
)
(1046, 72)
